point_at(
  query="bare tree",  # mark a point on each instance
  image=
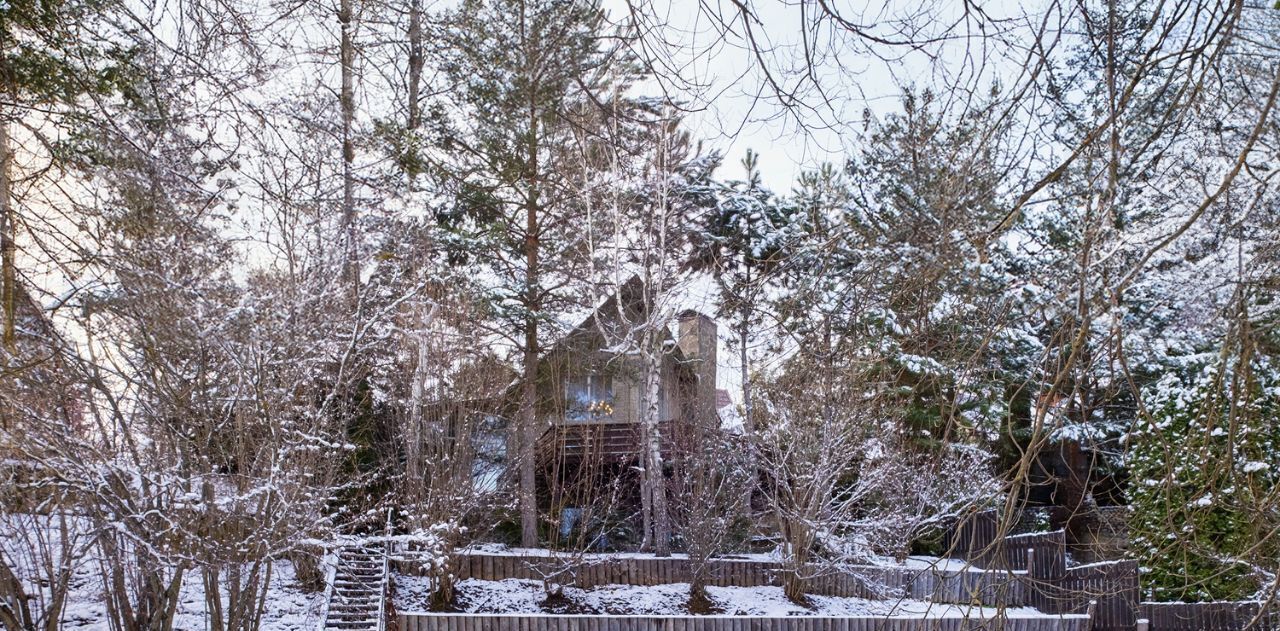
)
(712, 474)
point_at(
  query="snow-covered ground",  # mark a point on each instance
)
(288, 607)
(527, 596)
(913, 562)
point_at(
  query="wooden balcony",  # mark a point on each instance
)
(599, 442)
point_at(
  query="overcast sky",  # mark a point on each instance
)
(735, 110)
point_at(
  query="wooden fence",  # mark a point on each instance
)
(1040, 557)
(974, 537)
(1111, 587)
(1049, 583)
(940, 585)
(518, 622)
(1219, 616)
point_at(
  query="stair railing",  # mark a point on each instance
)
(331, 578)
(385, 586)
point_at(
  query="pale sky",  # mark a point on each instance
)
(735, 110)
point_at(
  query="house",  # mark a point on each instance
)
(591, 398)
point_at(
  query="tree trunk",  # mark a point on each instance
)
(15, 612)
(415, 64)
(655, 481)
(347, 100)
(528, 438)
(532, 300)
(9, 289)
(748, 424)
(745, 372)
(646, 498)
(415, 483)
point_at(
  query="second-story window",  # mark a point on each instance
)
(588, 397)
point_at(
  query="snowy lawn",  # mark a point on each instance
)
(911, 563)
(527, 596)
(288, 607)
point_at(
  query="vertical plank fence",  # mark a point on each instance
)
(1027, 569)
(1219, 616)
(1111, 587)
(973, 538)
(516, 622)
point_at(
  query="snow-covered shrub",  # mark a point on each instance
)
(842, 483)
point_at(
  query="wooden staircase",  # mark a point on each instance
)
(357, 590)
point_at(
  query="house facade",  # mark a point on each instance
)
(592, 399)
(594, 396)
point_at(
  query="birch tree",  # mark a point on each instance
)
(659, 200)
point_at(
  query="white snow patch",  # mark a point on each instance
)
(520, 596)
(288, 607)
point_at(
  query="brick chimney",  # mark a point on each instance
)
(698, 345)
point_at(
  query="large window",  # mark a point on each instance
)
(588, 397)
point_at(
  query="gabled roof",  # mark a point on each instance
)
(629, 299)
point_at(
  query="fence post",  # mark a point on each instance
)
(1143, 625)
(1093, 606)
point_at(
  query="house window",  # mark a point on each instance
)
(588, 397)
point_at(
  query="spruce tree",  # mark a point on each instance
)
(1203, 469)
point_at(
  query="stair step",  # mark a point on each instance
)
(357, 590)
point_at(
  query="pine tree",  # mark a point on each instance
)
(540, 95)
(51, 55)
(744, 240)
